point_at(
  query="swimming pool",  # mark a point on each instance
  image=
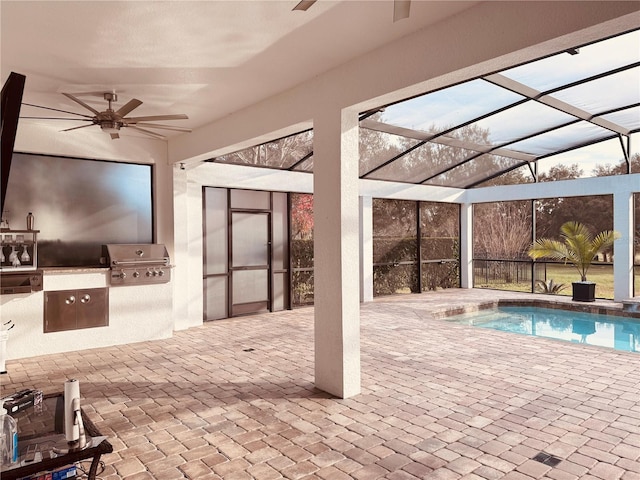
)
(610, 331)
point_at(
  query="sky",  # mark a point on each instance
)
(454, 105)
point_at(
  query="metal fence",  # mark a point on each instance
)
(529, 276)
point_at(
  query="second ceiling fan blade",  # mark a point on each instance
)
(76, 128)
(146, 132)
(56, 110)
(60, 118)
(164, 127)
(304, 5)
(401, 9)
(80, 102)
(135, 120)
(128, 107)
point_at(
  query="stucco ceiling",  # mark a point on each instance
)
(205, 59)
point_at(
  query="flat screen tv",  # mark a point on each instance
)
(10, 104)
(79, 205)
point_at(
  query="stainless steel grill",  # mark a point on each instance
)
(137, 264)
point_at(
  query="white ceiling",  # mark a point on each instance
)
(205, 58)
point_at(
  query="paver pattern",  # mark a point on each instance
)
(235, 399)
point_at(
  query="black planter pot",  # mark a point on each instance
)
(584, 291)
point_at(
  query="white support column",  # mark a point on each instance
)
(336, 252)
(187, 274)
(466, 245)
(366, 249)
(180, 273)
(623, 247)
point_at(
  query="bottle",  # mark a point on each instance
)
(8, 438)
(30, 221)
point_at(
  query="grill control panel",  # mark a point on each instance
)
(140, 276)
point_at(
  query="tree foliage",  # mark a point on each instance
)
(501, 230)
(281, 153)
(302, 216)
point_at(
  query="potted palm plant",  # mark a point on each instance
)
(579, 247)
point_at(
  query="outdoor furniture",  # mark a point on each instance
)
(42, 428)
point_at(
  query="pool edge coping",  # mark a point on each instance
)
(541, 303)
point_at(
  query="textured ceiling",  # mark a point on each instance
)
(205, 59)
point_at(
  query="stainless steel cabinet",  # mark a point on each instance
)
(75, 309)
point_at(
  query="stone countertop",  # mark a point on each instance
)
(63, 270)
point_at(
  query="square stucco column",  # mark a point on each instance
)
(466, 245)
(623, 247)
(366, 249)
(336, 253)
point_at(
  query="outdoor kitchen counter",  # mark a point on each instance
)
(74, 269)
(135, 313)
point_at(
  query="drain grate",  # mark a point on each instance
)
(547, 459)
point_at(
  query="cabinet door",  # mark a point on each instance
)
(60, 310)
(92, 308)
(74, 309)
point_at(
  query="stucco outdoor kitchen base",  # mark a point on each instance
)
(136, 313)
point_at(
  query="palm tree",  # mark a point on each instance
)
(578, 246)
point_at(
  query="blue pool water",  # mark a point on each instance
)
(591, 329)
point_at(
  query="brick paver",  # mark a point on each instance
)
(235, 399)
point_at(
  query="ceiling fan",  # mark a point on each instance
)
(400, 8)
(111, 121)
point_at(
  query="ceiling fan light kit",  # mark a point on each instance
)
(112, 121)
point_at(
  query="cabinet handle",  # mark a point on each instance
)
(86, 298)
(70, 300)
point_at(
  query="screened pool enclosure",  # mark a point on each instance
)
(571, 115)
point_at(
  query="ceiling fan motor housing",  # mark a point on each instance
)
(110, 126)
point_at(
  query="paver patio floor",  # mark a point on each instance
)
(235, 399)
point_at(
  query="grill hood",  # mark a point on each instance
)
(137, 264)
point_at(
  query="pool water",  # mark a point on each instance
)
(603, 330)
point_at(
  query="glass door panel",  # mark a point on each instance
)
(250, 239)
(250, 262)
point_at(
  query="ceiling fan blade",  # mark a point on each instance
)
(75, 128)
(57, 110)
(304, 5)
(114, 136)
(165, 127)
(147, 132)
(128, 107)
(155, 117)
(401, 9)
(80, 102)
(60, 118)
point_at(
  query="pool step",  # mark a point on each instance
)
(632, 305)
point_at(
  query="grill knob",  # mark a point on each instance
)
(122, 275)
(148, 273)
(155, 273)
(161, 273)
(136, 274)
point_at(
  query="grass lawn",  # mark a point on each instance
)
(602, 275)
